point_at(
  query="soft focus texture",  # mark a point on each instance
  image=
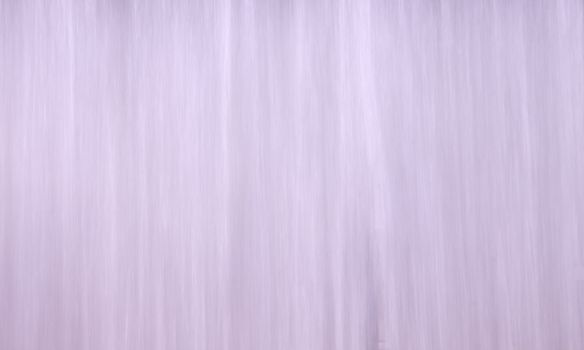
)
(274, 174)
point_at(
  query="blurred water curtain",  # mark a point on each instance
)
(375, 174)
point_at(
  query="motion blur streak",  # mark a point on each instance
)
(279, 174)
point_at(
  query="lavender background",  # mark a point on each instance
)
(291, 174)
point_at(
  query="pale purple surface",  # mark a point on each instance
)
(292, 174)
